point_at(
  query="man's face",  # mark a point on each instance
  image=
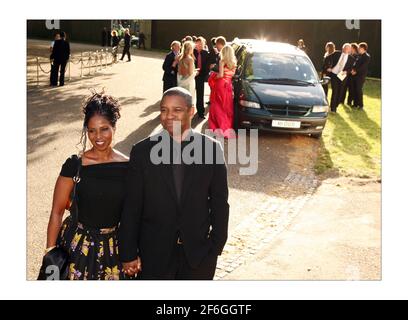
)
(361, 50)
(219, 46)
(174, 111)
(199, 45)
(347, 49)
(176, 47)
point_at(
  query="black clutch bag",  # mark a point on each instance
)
(55, 263)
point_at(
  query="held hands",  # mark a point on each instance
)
(133, 267)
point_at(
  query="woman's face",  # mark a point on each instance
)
(100, 132)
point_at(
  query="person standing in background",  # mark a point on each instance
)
(59, 56)
(349, 87)
(359, 72)
(142, 39)
(342, 62)
(115, 45)
(201, 63)
(330, 48)
(301, 45)
(170, 66)
(126, 48)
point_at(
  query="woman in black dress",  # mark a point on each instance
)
(92, 244)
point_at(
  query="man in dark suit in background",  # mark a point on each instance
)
(170, 66)
(342, 62)
(126, 48)
(175, 216)
(59, 56)
(359, 73)
(349, 86)
(202, 63)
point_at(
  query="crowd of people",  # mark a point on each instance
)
(190, 63)
(347, 70)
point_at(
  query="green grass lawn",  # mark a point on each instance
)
(351, 142)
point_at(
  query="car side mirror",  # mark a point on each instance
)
(325, 80)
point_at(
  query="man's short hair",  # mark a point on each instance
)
(174, 43)
(221, 40)
(363, 45)
(346, 45)
(180, 92)
(62, 34)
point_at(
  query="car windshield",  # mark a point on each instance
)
(267, 66)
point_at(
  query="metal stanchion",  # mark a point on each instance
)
(69, 69)
(38, 72)
(81, 64)
(89, 62)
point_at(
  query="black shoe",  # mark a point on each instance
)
(128, 60)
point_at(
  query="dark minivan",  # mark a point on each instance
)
(277, 88)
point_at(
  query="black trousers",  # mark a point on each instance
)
(58, 66)
(359, 84)
(347, 87)
(351, 91)
(337, 90)
(199, 82)
(169, 83)
(126, 50)
(179, 268)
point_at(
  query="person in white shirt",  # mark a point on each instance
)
(343, 63)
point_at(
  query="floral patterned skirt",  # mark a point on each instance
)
(93, 252)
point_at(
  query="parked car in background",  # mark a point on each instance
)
(277, 88)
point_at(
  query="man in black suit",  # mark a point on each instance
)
(170, 66)
(359, 73)
(202, 63)
(175, 216)
(59, 56)
(342, 62)
(349, 86)
(126, 48)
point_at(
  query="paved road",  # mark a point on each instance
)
(260, 203)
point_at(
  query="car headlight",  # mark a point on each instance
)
(320, 109)
(249, 104)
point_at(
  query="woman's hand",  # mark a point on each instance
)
(133, 267)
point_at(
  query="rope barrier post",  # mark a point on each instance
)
(81, 64)
(69, 69)
(106, 58)
(38, 72)
(89, 62)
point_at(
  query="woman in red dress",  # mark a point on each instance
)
(221, 115)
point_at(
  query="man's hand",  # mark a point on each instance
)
(133, 267)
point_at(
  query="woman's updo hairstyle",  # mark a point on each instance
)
(103, 105)
(99, 103)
